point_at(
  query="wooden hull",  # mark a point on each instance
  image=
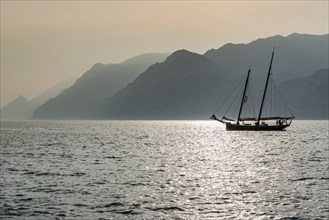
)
(235, 127)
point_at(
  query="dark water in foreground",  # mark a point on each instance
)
(162, 170)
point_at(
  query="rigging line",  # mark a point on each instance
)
(247, 110)
(284, 101)
(249, 101)
(268, 99)
(229, 95)
(280, 112)
(271, 97)
(275, 109)
(277, 105)
(233, 100)
(252, 100)
(251, 110)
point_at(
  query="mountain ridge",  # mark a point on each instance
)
(22, 109)
(298, 55)
(99, 82)
(150, 96)
(308, 96)
(146, 105)
(187, 85)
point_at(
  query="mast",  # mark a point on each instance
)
(268, 76)
(243, 96)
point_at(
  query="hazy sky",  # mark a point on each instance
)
(45, 42)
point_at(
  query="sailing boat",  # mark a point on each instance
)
(261, 122)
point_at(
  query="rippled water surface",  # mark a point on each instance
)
(162, 170)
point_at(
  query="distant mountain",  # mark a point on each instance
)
(98, 83)
(191, 86)
(19, 109)
(297, 55)
(147, 58)
(185, 86)
(308, 96)
(22, 109)
(53, 91)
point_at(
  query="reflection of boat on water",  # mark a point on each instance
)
(273, 121)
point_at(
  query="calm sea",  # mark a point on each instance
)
(162, 170)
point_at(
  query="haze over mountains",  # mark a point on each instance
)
(186, 85)
(98, 83)
(297, 55)
(191, 86)
(308, 96)
(22, 109)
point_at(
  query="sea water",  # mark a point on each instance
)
(162, 170)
